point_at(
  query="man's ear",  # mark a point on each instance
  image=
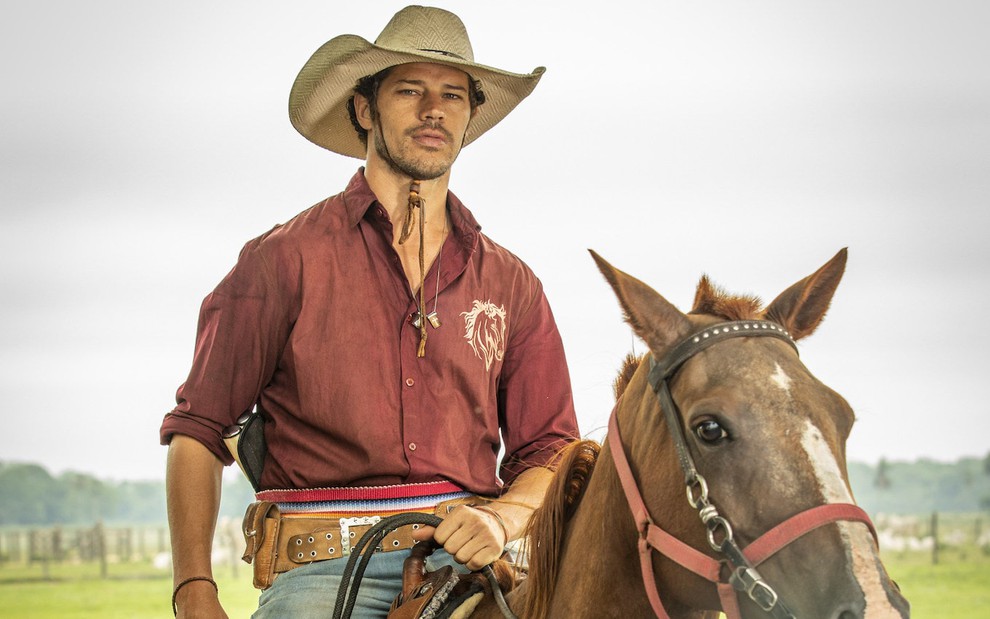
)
(362, 110)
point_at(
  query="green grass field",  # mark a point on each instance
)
(958, 587)
(131, 591)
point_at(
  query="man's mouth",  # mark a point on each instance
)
(431, 137)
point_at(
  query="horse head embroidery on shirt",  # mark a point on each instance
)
(484, 329)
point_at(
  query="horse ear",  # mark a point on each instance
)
(800, 308)
(653, 318)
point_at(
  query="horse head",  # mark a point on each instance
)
(767, 440)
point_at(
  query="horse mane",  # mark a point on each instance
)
(629, 366)
(544, 534)
(713, 300)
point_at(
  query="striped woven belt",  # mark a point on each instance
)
(379, 501)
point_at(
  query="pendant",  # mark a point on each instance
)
(434, 319)
(416, 319)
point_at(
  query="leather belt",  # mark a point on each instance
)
(278, 543)
(305, 540)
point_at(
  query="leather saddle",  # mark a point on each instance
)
(445, 593)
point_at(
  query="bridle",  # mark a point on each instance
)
(744, 577)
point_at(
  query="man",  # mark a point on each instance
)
(390, 348)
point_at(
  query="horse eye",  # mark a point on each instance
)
(710, 431)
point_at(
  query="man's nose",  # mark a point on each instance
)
(431, 107)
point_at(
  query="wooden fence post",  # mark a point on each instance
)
(14, 546)
(32, 545)
(124, 544)
(100, 546)
(58, 547)
(230, 541)
(87, 549)
(39, 551)
(934, 538)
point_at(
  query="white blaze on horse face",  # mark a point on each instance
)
(780, 378)
(859, 542)
(823, 462)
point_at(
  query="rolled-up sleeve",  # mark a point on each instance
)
(243, 326)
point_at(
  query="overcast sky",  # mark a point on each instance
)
(142, 143)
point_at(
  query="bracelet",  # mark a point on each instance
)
(498, 518)
(175, 592)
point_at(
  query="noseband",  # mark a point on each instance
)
(743, 577)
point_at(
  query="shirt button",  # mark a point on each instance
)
(410, 382)
(412, 446)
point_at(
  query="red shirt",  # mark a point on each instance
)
(312, 325)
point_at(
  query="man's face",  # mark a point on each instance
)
(423, 112)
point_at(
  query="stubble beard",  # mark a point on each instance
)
(409, 166)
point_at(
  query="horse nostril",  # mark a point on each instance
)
(848, 614)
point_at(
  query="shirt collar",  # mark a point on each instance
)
(359, 199)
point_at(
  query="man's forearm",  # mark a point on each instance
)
(192, 482)
(525, 494)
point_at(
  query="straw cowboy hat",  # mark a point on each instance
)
(318, 101)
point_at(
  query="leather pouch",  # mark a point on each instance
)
(261, 524)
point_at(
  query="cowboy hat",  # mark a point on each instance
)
(319, 96)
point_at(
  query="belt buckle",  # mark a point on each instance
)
(346, 534)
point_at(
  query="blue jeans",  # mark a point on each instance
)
(310, 591)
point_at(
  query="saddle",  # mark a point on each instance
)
(444, 593)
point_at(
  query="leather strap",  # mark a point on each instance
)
(683, 554)
(306, 540)
(791, 529)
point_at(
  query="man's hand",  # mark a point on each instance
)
(472, 536)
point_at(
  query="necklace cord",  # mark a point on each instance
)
(417, 201)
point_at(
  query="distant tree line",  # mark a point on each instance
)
(30, 495)
(922, 486)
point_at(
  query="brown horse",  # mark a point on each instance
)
(761, 446)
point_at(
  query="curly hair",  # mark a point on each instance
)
(368, 86)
